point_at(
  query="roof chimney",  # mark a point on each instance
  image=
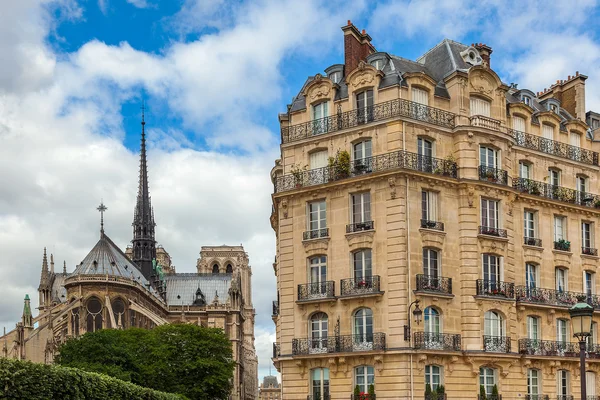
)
(357, 46)
(485, 52)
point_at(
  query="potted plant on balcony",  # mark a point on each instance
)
(597, 203)
(297, 172)
(495, 395)
(371, 392)
(482, 395)
(441, 392)
(449, 163)
(339, 165)
(535, 190)
(563, 245)
(489, 174)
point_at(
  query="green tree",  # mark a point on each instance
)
(177, 358)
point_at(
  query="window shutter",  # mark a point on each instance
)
(420, 96)
(318, 159)
(548, 132)
(518, 123)
(480, 107)
(433, 206)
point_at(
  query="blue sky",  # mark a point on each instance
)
(214, 74)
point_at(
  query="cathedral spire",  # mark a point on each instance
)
(44, 276)
(144, 244)
(26, 317)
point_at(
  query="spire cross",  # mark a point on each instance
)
(101, 208)
(143, 107)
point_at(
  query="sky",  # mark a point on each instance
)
(214, 75)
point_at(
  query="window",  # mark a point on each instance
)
(518, 123)
(487, 379)
(362, 264)
(320, 110)
(94, 317)
(75, 321)
(335, 77)
(319, 159)
(433, 376)
(533, 385)
(425, 147)
(575, 139)
(524, 170)
(593, 338)
(379, 64)
(420, 96)
(529, 224)
(586, 237)
(429, 204)
(361, 207)
(480, 107)
(320, 123)
(491, 269)
(553, 108)
(364, 376)
(488, 157)
(229, 269)
(562, 383)
(432, 321)
(526, 100)
(494, 324)
(317, 218)
(489, 213)
(118, 308)
(533, 328)
(318, 275)
(215, 269)
(562, 330)
(559, 228)
(548, 132)
(320, 383)
(561, 279)
(531, 275)
(318, 333)
(590, 383)
(554, 177)
(589, 283)
(364, 105)
(581, 189)
(430, 263)
(363, 326)
(362, 150)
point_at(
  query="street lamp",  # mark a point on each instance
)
(417, 313)
(581, 322)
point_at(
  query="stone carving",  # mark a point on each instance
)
(392, 184)
(320, 91)
(284, 208)
(481, 84)
(363, 78)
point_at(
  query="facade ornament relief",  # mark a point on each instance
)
(320, 91)
(284, 207)
(364, 78)
(378, 361)
(392, 184)
(481, 84)
(470, 195)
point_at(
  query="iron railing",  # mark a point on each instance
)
(364, 396)
(377, 112)
(535, 347)
(438, 226)
(360, 226)
(360, 286)
(569, 397)
(538, 397)
(590, 251)
(493, 175)
(315, 291)
(435, 284)
(553, 147)
(495, 289)
(532, 241)
(490, 397)
(555, 192)
(559, 298)
(485, 122)
(275, 308)
(436, 341)
(437, 396)
(325, 396)
(490, 231)
(562, 245)
(316, 234)
(496, 344)
(276, 350)
(382, 162)
(339, 344)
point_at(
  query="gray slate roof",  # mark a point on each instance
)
(59, 293)
(181, 288)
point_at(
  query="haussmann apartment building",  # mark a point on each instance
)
(433, 181)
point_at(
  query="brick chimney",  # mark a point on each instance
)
(571, 94)
(485, 52)
(357, 46)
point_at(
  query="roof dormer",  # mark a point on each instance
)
(378, 60)
(471, 56)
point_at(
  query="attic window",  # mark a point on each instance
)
(553, 108)
(335, 77)
(377, 64)
(472, 56)
(526, 100)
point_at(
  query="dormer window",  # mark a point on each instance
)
(526, 100)
(335, 77)
(553, 108)
(378, 64)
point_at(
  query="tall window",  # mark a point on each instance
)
(317, 216)
(364, 376)
(554, 177)
(229, 269)
(318, 159)
(533, 328)
(480, 107)
(361, 207)
(559, 228)
(364, 105)
(75, 321)
(432, 320)
(533, 384)
(582, 184)
(524, 170)
(320, 383)
(215, 269)
(586, 236)
(487, 379)
(491, 269)
(320, 111)
(531, 275)
(590, 383)
(425, 152)
(362, 264)
(420, 96)
(589, 283)
(561, 279)
(362, 150)
(518, 123)
(529, 224)
(593, 338)
(318, 333)
(429, 206)
(488, 157)
(548, 132)
(562, 383)
(493, 324)
(489, 213)
(363, 325)
(575, 139)
(562, 330)
(94, 317)
(318, 273)
(433, 376)
(118, 307)
(431, 266)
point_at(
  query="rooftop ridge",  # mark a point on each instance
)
(443, 42)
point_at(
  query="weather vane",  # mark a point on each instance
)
(102, 208)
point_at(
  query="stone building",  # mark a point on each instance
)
(269, 389)
(431, 185)
(139, 288)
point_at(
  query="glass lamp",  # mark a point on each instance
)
(581, 318)
(417, 313)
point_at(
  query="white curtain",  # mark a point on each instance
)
(548, 132)
(480, 107)
(420, 96)
(318, 159)
(518, 123)
(575, 139)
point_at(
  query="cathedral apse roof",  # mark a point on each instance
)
(182, 288)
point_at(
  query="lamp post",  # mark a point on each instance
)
(581, 322)
(417, 313)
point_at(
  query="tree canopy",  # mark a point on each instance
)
(176, 358)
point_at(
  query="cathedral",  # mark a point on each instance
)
(139, 287)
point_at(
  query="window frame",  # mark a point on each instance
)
(367, 372)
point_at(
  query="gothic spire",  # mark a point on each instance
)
(44, 277)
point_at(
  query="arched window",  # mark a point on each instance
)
(364, 376)
(118, 308)
(319, 383)
(487, 379)
(480, 106)
(229, 269)
(420, 96)
(75, 321)
(432, 321)
(533, 383)
(215, 269)
(563, 384)
(363, 326)
(318, 333)
(94, 317)
(494, 339)
(433, 376)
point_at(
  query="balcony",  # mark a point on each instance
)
(589, 251)
(532, 242)
(437, 396)
(490, 397)
(431, 284)
(318, 397)
(569, 397)
(552, 297)
(555, 148)
(426, 224)
(360, 226)
(276, 350)
(497, 289)
(316, 234)
(543, 397)
(363, 396)
(339, 344)
(490, 231)
(493, 175)
(558, 193)
(310, 292)
(535, 347)
(275, 308)
(485, 122)
(496, 344)
(377, 112)
(562, 245)
(368, 285)
(436, 341)
(383, 162)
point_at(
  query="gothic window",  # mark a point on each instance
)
(229, 269)
(94, 317)
(75, 322)
(118, 308)
(215, 269)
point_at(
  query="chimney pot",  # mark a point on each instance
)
(364, 32)
(577, 73)
(349, 22)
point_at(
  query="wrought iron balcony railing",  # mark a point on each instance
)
(496, 344)
(490, 231)
(562, 245)
(500, 289)
(276, 350)
(558, 149)
(360, 286)
(490, 397)
(535, 347)
(437, 396)
(537, 397)
(383, 162)
(316, 291)
(436, 341)
(493, 175)
(568, 397)
(590, 251)
(360, 226)
(275, 308)
(364, 396)
(552, 297)
(319, 397)
(316, 234)
(377, 112)
(426, 224)
(529, 241)
(485, 122)
(557, 193)
(427, 283)
(339, 344)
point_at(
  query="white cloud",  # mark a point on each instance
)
(140, 3)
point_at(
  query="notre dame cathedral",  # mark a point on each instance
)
(139, 287)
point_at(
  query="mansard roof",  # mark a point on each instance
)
(182, 287)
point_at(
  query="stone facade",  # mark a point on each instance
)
(269, 389)
(474, 198)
